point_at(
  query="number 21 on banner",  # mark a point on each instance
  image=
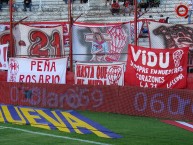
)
(44, 45)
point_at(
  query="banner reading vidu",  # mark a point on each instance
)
(156, 68)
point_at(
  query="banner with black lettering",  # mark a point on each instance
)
(3, 57)
(99, 73)
(164, 35)
(156, 68)
(37, 70)
(100, 42)
(38, 42)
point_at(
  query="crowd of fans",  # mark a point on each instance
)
(128, 6)
(81, 1)
(1, 3)
(26, 4)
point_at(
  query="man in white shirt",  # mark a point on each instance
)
(190, 9)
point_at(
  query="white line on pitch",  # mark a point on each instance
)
(56, 136)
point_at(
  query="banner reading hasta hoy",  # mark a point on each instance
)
(99, 74)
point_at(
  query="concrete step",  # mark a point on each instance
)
(58, 10)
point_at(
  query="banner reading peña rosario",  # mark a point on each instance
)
(99, 74)
(37, 70)
(156, 68)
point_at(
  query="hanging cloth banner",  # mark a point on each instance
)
(156, 68)
(100, 42)
(3, 57)
(37, 70)
(38, 42)
(163, 35)
(99, 74)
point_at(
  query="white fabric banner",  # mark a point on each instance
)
(99, 73)
(34, 41)
(100, 42)
(5, 37)
(37, 70)
(3, 57)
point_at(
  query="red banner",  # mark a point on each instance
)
(156, 68)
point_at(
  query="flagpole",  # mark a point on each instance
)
(70, 21)
(135, 21)
(11, 49)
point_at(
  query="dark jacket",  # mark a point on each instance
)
(27, 1)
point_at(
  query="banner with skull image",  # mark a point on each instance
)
(107, 43)
(164, 35)
(38, 42)
(99, 73)
(156, 68)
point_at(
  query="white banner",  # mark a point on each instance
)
(99, 73)
(3, 57)
(34, 41)
(100, 42)
(37, 70)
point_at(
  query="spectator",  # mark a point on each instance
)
(105, 2)
(66, 1)
(143, 4)
(0, 5)
(110, 2)
(115, 7)
(83, 1)
(127, 7)
(190, 4)
(6, 1)
(27, 4)
(14, 6)
(154, 3)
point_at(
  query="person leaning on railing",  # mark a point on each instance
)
(27, 4)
